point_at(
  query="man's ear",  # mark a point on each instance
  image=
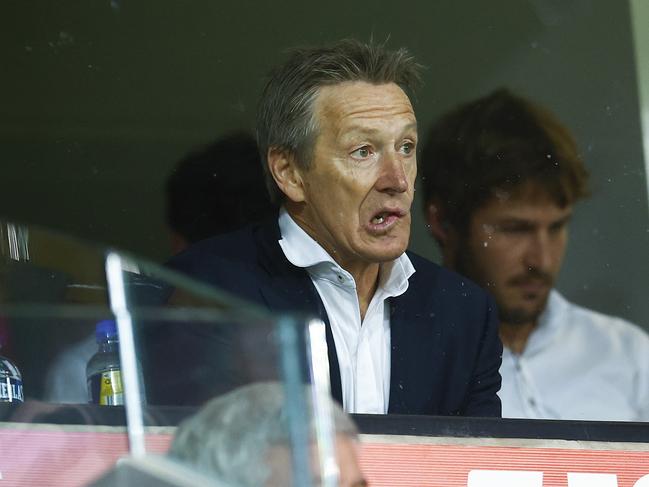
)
(283, 167)
(436, 224)
(445, 234)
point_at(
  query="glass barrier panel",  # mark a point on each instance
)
(104, 338)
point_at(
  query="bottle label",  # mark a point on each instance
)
(106, 388)
(11, 390)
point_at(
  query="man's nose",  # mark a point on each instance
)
(538, 254)
(393, 177)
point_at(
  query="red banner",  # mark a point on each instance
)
(56, 456)
(438, 465)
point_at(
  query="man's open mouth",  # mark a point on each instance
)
(378, 219)
(386, 218)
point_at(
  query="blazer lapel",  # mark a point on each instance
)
(289, 288)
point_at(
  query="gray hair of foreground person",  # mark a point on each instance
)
(285, 115)
(231, 436)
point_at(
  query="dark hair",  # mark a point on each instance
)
(285, 115)
(217, 189)
(497, 143)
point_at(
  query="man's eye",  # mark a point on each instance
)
(558, 227)
(362, 152)
(408, 148)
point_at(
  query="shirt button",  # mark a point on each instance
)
(532, 401)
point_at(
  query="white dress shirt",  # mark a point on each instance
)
(363, 348)
(578, 364)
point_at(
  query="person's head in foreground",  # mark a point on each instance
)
(242, 439)
(337, 134)
(500, 177)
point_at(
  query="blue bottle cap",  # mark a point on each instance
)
(106, 330)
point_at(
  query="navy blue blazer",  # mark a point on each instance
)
(445, 346)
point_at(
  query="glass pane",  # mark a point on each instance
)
(80, 325)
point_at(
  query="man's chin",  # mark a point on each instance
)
(522, 308)
(389, 254)
(521, 315)
(386, 250)
(516, 316)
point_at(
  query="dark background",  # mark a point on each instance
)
(99, 99)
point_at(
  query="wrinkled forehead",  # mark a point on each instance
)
(357, 101)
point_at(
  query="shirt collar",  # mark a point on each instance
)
(302, 251)
(298, 246)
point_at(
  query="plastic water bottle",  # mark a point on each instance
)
(11, 382)
(103, 372)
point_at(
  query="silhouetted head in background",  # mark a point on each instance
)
(215, 190)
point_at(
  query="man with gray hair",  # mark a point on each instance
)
(338, 137)
(242, 439)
